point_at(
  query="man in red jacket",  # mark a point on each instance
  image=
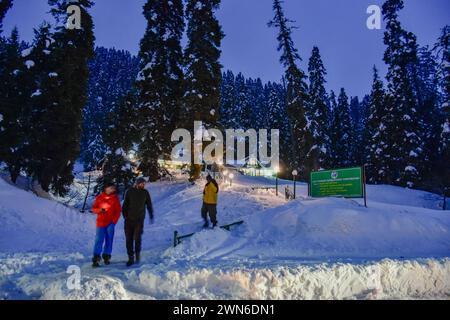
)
(107, 208)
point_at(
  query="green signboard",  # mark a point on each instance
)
(346, 183)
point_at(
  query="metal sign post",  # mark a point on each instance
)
(364, 185)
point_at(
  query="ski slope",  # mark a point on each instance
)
(331, 248)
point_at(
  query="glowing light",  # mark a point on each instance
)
(131, 156)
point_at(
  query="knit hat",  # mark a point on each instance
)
(140, 180)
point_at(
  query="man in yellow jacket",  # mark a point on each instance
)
(210, 194)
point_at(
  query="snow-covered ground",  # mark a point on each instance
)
(330, 248)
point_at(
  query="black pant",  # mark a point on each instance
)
(133, 235)
(212, 210)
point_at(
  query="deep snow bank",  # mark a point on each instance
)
(387, 279)
(29, 223)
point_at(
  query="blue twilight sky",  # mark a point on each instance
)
(337, 27)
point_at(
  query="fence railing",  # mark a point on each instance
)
(177, 237)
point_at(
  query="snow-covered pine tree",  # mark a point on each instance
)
(45, 84)
(365, 139)
(296, 94)
(228, 101)
(63, 96)
(426, 88)
(341, 133)
(160, 81)
(112, 75)
(332, 104)
(257, 103)
(5, 5)
(276, 113)
(243, 105)
(378, 115)
(357, 114)
(443, 52)
(203, 69)
(317, 110)
(405, 151)
(119, 165)
(243, 102)
(14, 106)
(275, 117)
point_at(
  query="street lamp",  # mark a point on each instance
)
(294, 174)
(231, 176)
(276, 169)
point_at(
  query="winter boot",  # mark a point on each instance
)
(130, 261)
(214, 225)
(206, 225)
(107, 259)
(138, 257)
(95, 261)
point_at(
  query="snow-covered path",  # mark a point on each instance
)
(305, 249)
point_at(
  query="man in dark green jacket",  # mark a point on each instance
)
(137, 199)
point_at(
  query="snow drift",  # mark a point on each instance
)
(387, 279)
(329, 228)
(29, 223)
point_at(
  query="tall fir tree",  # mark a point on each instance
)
(405, 151)
(203, 68)
(243, 105)
(257, 101)
(318, 110)
(426, 89)
(365, 139)
(341, 133)
(119, 165)
(357, 114)
(228, 101)
(160, 81)
(62, 97)
(377, 135)
(44, 85)
(14, 105)
(296, 94)
(442, 164)
(275, 115)
(332, 104)
(4, 74)
(112, 76)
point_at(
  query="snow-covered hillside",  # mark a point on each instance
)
(29, 224)
(302, 249)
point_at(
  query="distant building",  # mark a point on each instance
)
(253, 167)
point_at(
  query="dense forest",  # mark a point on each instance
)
(64, 101)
